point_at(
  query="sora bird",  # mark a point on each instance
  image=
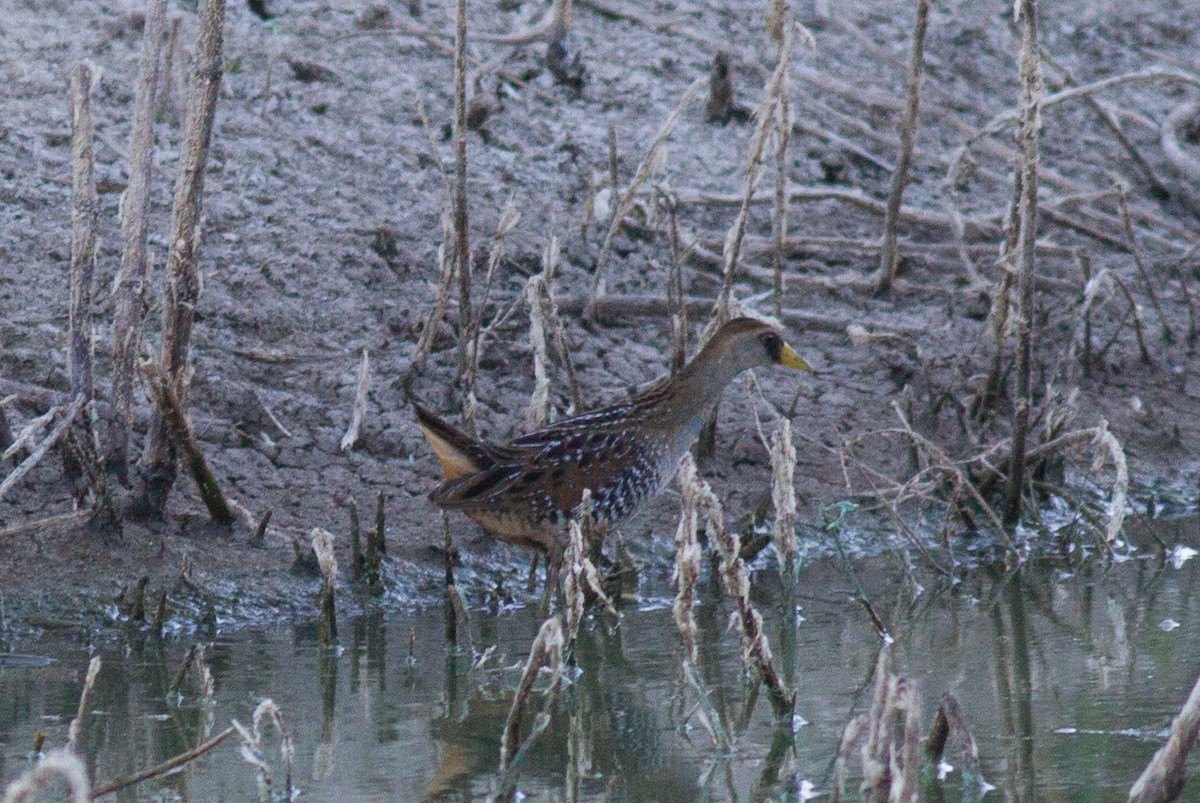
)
(526, 490)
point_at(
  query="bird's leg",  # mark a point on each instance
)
(554, 563)
(531, 581)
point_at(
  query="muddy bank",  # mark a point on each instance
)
(322, 224)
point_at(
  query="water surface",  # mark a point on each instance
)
(1068, 677)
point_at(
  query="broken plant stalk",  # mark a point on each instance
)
(756, 650)
(1028, 130)
(129, 286)
(890, 258)
(181, 287)
(179, 431)
(462, 241)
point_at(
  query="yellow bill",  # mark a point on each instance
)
(789, 357)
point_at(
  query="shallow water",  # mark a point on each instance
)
(1068, 680)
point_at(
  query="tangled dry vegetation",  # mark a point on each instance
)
(1064, 273)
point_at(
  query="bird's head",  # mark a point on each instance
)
(750, 343)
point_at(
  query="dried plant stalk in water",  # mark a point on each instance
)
(1164, 777)
(581, 581)
(57, 763)
(1107, 443)
(253, 750)
(890, 755)
(546, 651)
(159, 770)
(687, 558)
(322, 544)
(89, 683)
(685, 577)
(756, 650)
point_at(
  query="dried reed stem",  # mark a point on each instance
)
(1168, 335)
(166, 99)
(719, 107)
(1107, 444)
(651, 161)
(360, 403)
(1135, 310)
(32, 429)
(509, 217)
(322, 544)
(546, 651)
(783, 496)
(687, 559)
(38, 453)
(772, 96)
(84, 212)
(1029, 124)
(685, 578)
(1165, 775)
(890, 755)
(357, 558)
(1108, 118)
(173, 763)
(951, 723)
(168, 405)
(677, 312)
(6, 435)
(375, 548)
(890, 257)
(57, 763)
(783, 129)
(81, 712)
(181, 288)
(756, 650)
(581, 581)
(539, 402)
(252, 749)
(181, 672)
(129, 288)
(441, 298)
(462, 237)
(80, 458)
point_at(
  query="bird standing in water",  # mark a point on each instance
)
(526, 490)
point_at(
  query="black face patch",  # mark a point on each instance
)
(773, 343)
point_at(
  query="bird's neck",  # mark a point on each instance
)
(695, 390)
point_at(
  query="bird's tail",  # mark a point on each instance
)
(458, 452)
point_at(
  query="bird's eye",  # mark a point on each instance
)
(772, 343)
